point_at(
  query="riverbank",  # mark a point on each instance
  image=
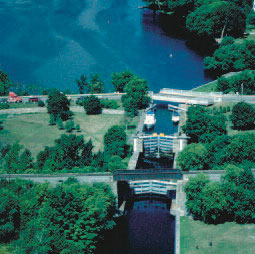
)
(228, 238)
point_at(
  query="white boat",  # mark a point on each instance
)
(175, 117)
(150, 120)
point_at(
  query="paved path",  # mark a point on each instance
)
(17, 111)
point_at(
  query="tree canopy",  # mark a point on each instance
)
(69, 218)
(120, 80)
(203, 127)
(115, 141)
(231, 57)
(193, 157)
(231, 199)
(243, 116)
(92, 105)
(82, 83)
(58, 105)
(217, 19)
(4, 83)
(136, 97)
(69, 151)
(96, 84)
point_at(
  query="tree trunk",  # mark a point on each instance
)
(223, 30)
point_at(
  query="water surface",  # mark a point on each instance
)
(53, 42)
(148, 228)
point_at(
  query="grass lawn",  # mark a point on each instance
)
(210, 87)
(227, 238)
(23, 105)
(34, 132)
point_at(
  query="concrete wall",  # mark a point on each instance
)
(57, 179)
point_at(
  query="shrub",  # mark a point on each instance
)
(109, 104)
(52, 120)
(69, 126)
(59, 123)
(4, 106)
(228, 109)
(41, 104)
(243, 116)
(78, 128)
(92, 105)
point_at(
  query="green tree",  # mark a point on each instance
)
(121, 79)
(196, 123)
(58, 105)
(81, 83)
(87, 154)
(216, 126)
(231, 57)
(136, 96)
(9, 215)
(11, 160)
(78, 128)
(92, 105)
(69, 151)
(130, 106)
(114, 163)
(95, 85)
(241, 148)
(243, 116)
(239, 189)
(192, 157)
(59, 123)
(193, 190)
(216, 19)
(217, 152)
(4, 83)
(115, 141)
(214, 203)
(52, 120)
(203, 127)
(26, 161)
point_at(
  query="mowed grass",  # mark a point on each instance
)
(209, 87)
(34, 132)
(227, 238)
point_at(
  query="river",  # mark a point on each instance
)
(53, 42)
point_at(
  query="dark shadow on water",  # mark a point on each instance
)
(147, 228)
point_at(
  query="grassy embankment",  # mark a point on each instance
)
(34, 132)
(228, 238)
(212, 86)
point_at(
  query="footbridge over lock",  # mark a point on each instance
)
(152, 187)
(144, 182)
